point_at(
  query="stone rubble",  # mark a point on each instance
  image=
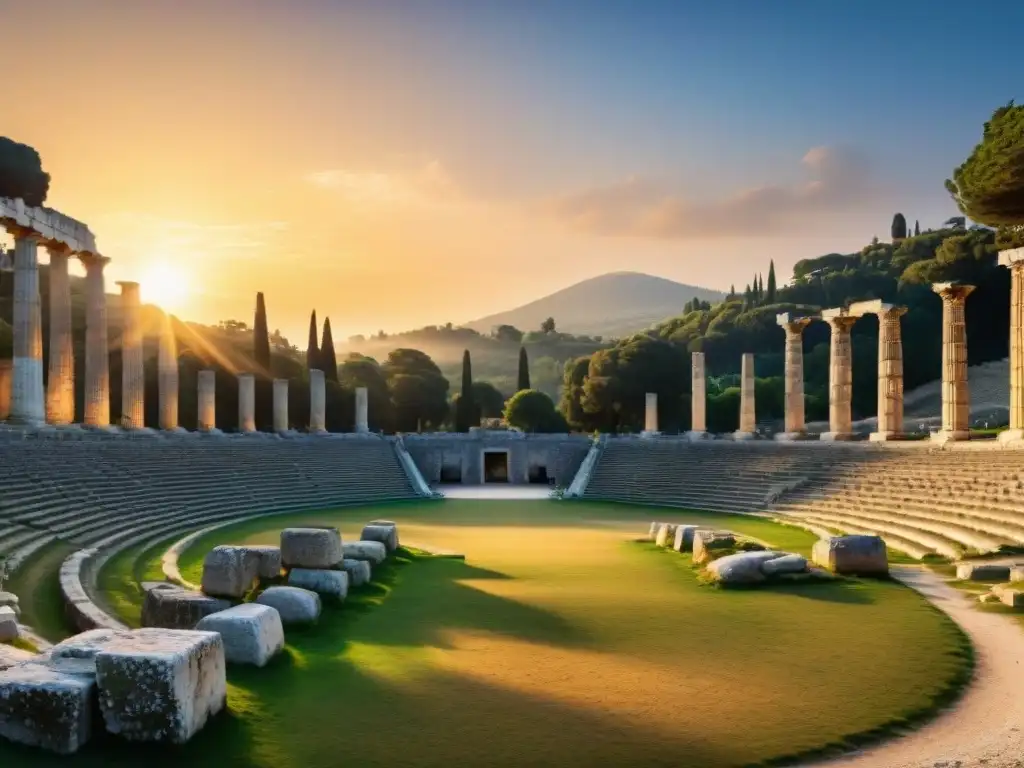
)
(323, 582)
(172, 607)
(295, 605)
(374, 552)
(311, 547)
(252, 633)
(230, 572)
(857, 555)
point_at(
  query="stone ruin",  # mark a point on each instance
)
(177, 662)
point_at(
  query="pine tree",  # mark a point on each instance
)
(917, 228)
(328, 360)
(466, 408)
(732, 293)
(770, 296)
(748, 297)
(899, 227)
(524, 371)
(312, 350)
(260, 336)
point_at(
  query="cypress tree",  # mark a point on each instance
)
(917, 228)
(312, 350)
(770, 296)
(465, 409)
(260, 336)
(899, 227)
(524, 371)
(732, 292)
(328, 359)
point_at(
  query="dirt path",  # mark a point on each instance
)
(985, 728)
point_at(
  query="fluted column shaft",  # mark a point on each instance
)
(6, 368)
(207, 416)
(317, 401)
(698, 393)
(1014, 259)
(97, 363)
(956, 398)
(133, 377)
(362, 410)
(281, 405)
(28, 404)
(748, 408)
(890, 373)
(651, 412)
(60, 387)
(796, 422)
(167, 375)
(840, 379)
(246, 402)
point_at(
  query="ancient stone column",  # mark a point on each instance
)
(246, 402)
(840, 375)
(651, 413)
(60, 386)
(317, 402)
(890, 374)
(167, 375)
(1014, 259)
(956, 399)
(28, 405)
(5, 389)
(796, 426)
(698, 397)
(97, 362)
(133, 377)
(281, 405)
(207, 401)
(748, 412)
(362, 410)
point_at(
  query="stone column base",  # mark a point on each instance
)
(948, 436)
(318, 432)
(789, 437)
(836, 437)
(884, 437)
(213, 431)
(649, 433)
(694, 437)
(175, 431)
(739, 435)
(1011, 436)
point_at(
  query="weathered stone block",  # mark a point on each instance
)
(230, 571)
(385, 534)
(172, 607)
(857, 555)
(9, 656)
(323, 582)
(683, 541)
(77, 654)
(8, 625)
(1017, 573)
(705, 543)
(983, 572)
(652, 534)
(666, 535)
(1009, 596)
(161, 684)
(269, 560)
(311, 547)
(295, 605)
(10, 600)
(252, 633)
(785, 564)
(359, 571)
(371, 551)
(43, 707)
(741, 568)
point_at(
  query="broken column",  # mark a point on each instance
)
(956, 399)
(890, 374)
(133, 377)
(796, 426)
(281, 405)
(167, 375)
(698, 397)
(207, 415)
(651, 413)
(317, 402)
(246, 402)
(748, 412)
(28, 404)
(840, 375)
(97, 363)
(1014, 260)
(362, 410)
(60, 386)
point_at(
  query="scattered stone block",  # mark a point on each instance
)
(77, 654)
(1009, 595)
(386, 524)
(161, 684)
(230, 571)
(857, 555)
(705, 543)
(385, 534)
(683, 541)
(652, 534)
(1017, 573)
(295, 605)
(666, 535)
(43, 707)
(359, 571)
(311, 547)
(785, 564)
(172, 607)
(8, 625)
(9, 656)
(741, 568)
(252, 633)
(372, 551)
(10, 600)
(323, 582)
(269, 561)
(983, 572)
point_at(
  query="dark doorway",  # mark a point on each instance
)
(539, 475)
(496, 467)
(451, 473)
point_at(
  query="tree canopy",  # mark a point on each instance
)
(899, 227)
(22, 174)
(418, 390)
(523, 379)
(328, 357)
(312, 348)
(466, 413)
(260, 336)
(533, 411)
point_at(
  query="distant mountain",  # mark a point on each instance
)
(615, 304)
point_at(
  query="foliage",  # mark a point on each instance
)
(899, 227)
(533, 411)
(418, 390)
(260, 337)
(327, 356)
(489, 402)
(22, 174)
(312, 348)
(548, 326)
(989, 185)
(358, 371)
(466, 412)
(772, 287)
(523, 380)
(508, 333)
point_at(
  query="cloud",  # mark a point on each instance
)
(837, 181)
(426, 182)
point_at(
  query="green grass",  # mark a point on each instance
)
(559, 641)
(119, 579)
(38, 589)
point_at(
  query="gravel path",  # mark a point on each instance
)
(985, 728)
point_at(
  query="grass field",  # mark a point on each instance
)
(559, 641)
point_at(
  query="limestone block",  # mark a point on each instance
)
(372, 551)
(652, 534)
(333, 583)
(386, 534)
(10, 600)
(706, 542)
(252, 633)
(161, 684)
(269, 561)
(684, 538)
(1009, 596)
(666, 535)
(8, 625)
(983, 572)
(858, 555)
(1016, 573)
(43, 707)
(77, 654)
(173, 607)
(295, 606)
(230, 571)
(9, 656)
(311, 547)
(741, 568)
(785, 564)
(359, 571)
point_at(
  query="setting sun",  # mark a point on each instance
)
(165, 285)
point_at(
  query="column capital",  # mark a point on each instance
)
(57, 250)
(1014, 257)
(891, 310)
(841, 323)
(953, 292)
(20, 232)
(792, 324)
(91, 260)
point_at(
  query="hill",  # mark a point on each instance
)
(615, 304)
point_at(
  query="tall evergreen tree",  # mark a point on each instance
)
(732, 292)
(899, 227)
(328, 360)
(466, 407)
(524, 371)
(770, 295)
(260, 335)
(917, 228)
(312, 350)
